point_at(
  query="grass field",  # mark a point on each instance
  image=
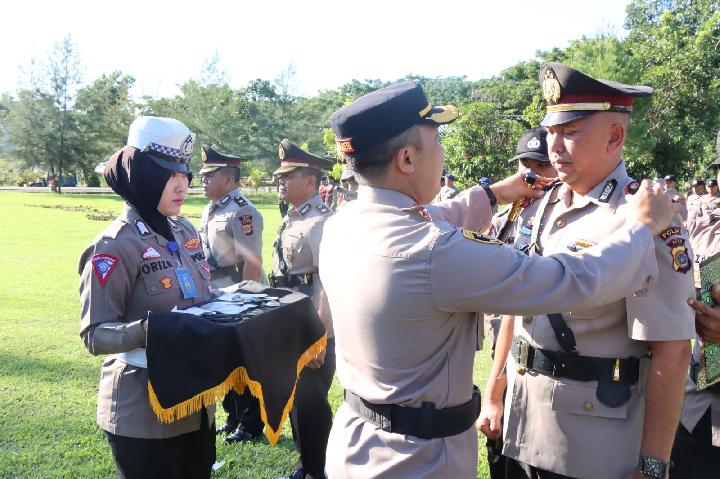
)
(48, 381)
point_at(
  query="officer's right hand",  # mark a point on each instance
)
(652, 206)
(707, 319)
(490, 420)
(514, 188)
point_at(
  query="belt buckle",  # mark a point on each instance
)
(522, 357)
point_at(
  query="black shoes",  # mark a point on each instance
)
(241, 435)
(226, 428)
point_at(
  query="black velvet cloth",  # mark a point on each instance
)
(188, 355)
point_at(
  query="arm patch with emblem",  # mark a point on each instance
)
(246, 221)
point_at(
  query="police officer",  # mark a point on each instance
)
(708, 199)
(531, 156)
(347, 192)
(148, 259)
(231, 232)
(449, 190)
(631, 403)
(404, 285)
(694, 199)
(696, 452)
(671, 187)
(295, 265)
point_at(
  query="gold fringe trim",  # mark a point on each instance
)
(238, 379)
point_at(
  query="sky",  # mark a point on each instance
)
(327, 43)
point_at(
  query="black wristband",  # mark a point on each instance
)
(490, 195)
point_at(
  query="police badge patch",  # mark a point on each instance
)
(103, 265)
(681, 261)
(246, 221)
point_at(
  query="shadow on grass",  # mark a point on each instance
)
(47, 369)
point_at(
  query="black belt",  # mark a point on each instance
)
(571, 366)
(424, 422)
(290, 280)
(234, 271)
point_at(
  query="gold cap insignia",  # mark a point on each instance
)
(551, 87)
(203, 156)
(281, 152)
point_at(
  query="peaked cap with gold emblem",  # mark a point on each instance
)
(571, 94)
(292, 157)
(213, 160)
(380, 115)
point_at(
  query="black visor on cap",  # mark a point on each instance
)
(170, 165)
(530, 155)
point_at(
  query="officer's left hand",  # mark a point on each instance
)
(707, 320)
(317, 361)
(515, 188)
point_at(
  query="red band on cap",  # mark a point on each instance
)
(614, 100)
(345, 145)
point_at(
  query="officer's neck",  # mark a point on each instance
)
(227, 189)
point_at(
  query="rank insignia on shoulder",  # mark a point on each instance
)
(192, 243)
(224, 200)
(671, 231)
(246, 222)
(323, 209)
(681, 260)
(142, 228)
(240, 200)
(150, 253)
(607, 191)
(103, 265)
(305, 209)
(480, 238)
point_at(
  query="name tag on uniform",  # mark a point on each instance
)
(187, 285)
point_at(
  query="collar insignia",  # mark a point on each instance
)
(607, 191)
(305, 209)
(142, 228)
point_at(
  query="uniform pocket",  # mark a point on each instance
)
(582, 400)
(161, 280)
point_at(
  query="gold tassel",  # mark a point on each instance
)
(238, 379)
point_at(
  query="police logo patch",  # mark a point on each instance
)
(142, 228)
(166, 282)
(192, 243)
(607, 191)
(681, 260)
(475, 236)
(305, 209)
(344, 145)
(187, 146)
(534, 143)
(240, 201)
(103, 265)
(671, 231)
(150, 253)
(246, 221)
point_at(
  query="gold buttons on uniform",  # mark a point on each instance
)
(560, 223)
(588, 406)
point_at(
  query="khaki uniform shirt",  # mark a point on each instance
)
(404, 290)
(231, 229)
(448, 192)
(558, 424)
(124, 273)
(705, 240)
(694, 206)
(302, 229)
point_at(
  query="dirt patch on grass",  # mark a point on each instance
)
(94, 213)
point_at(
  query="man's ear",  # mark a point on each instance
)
(404, 160)
(617, 137)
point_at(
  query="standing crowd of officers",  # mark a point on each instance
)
(589, 295)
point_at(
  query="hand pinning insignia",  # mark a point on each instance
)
(480, 238)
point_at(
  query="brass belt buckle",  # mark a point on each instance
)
(522, 357)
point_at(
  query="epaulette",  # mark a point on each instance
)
(240, 200)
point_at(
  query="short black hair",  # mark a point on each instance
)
(373, 163)
(230, 170)
(317, 174)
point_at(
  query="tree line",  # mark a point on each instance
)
(56, 124)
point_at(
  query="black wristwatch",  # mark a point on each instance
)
(652, 467)
(490, 195)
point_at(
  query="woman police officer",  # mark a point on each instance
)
(146, 260)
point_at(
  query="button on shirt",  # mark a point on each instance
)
(404, 290)
(548, 422)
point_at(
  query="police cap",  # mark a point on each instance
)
(571, 94)
(385, 113)
(698, 182)
(293, 157)
(168, 142)
(532, 145)
(213, 160)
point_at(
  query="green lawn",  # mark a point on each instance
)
(48, 381)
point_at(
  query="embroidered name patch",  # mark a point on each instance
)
(474, 236)
(671, 231)
(148, 268)
(681, 261)
(150, 253)
(103, 265)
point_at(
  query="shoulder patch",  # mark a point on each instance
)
(246, 222)
(671, 231)
(480, 238)
(679, 252)
(240, 200)
(142, 228)
(304, 209)
(607, 191)
(323, 209)
(103, 265)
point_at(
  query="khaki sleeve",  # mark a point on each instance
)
(661, 313)
(107, 277)
(314, 238)
(470, 209)
(473, 275)
(247, 229)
